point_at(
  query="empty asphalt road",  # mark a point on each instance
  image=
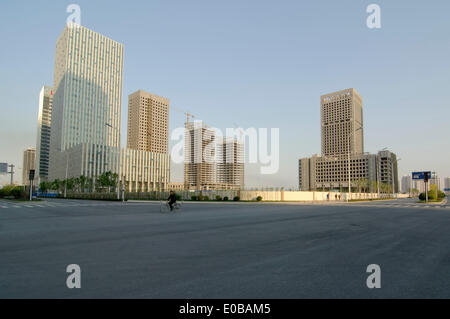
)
(212, 250)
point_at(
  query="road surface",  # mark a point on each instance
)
(219, 250)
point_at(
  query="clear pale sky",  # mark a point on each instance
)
(253, 63)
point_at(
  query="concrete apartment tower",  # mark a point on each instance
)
(342, 123)
(86, 112)
(43, 133)
(148, 122)
(29, 163)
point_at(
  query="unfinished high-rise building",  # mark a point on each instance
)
(200, 165)
(230, 164)
(212, 162)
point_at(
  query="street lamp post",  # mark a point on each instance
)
(67, 171)
(393, 177)
(349, 173)
(118, 155)
(392, 171)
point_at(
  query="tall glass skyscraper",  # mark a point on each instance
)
(86, 115)
(43, 133)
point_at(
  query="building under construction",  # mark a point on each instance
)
(212, 162)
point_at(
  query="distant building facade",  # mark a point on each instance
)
(406, 184)
(29, 163)
(43, 133)
(343, 157)
(142, 171)
(447, 184)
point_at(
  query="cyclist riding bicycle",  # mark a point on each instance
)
(171, 200)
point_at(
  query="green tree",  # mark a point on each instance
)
(44, 186)
(83, 181)
(68, 184)
(108, 180)
(56, 185)
(76, 184)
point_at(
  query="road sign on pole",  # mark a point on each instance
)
(420, 175)
(31, 177)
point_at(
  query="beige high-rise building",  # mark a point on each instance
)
(342, 123)
(148, 122)
(29, 163)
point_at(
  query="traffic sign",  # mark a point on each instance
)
(420, 175)
(3, 168)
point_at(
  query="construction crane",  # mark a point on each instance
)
(188, 115)
(240, 130)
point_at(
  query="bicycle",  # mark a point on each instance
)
(165, 207)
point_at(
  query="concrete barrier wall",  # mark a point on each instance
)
(266, 195)
(248, 195)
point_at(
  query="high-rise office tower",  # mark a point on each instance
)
(29, 163)
(343, 162)
(148, 122)
(342, 123)
(43, 133)
(86, 113)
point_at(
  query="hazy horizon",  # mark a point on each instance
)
(255, 64)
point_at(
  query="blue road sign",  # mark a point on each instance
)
(3, 168)
(420, 175)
